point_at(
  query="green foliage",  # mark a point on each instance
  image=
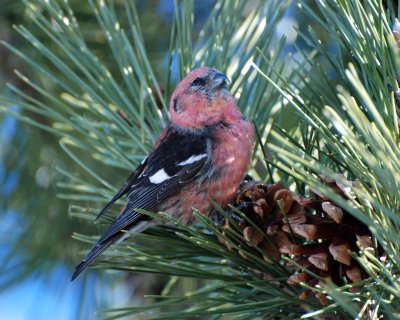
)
(347, 123)
(356, 134)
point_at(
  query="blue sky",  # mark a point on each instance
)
(37, 298)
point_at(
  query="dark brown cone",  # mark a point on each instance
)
(315, 232)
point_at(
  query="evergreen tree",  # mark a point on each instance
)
(327, 127)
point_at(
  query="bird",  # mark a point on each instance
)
(201, 157)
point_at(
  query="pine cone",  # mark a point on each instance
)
(316, 232)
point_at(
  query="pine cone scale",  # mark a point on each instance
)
(315, 232)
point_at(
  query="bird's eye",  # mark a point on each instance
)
(198, 82)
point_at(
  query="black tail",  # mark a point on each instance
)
(137, 223)
(97, 249)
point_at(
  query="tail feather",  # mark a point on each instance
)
(97, 249)
(105, 242)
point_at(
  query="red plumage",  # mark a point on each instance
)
(201, 156)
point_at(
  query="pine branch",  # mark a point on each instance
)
(359, 130)
(110, 117)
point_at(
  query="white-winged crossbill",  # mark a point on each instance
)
(202, 155)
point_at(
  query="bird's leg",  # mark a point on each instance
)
(235, 216)
(220, 219)
(241, 207)
(217, 217)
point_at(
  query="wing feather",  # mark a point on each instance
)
(182, 157)
(125, 188)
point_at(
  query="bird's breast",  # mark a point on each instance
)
(232, 152)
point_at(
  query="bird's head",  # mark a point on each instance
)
(202, 98)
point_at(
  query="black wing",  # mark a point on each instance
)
(177, 159)
(125, 188)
